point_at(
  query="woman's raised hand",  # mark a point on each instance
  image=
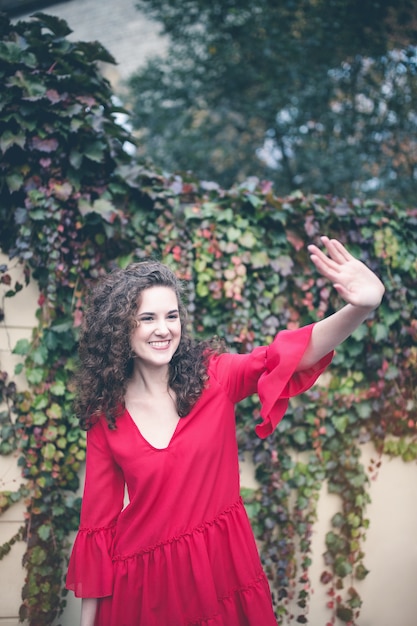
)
(351, 278)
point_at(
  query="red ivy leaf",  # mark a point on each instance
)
(44, 145)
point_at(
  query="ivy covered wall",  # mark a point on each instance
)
(74, 204)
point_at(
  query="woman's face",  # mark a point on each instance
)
(158, 332)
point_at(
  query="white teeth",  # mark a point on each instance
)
(159, 344)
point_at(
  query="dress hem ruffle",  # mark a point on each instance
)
(197, 529)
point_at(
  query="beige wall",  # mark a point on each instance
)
(388, 592)
(391, 547)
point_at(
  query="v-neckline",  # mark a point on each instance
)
(147, 442)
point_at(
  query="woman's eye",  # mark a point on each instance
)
(150, 318)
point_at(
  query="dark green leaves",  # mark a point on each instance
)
(317, 98)
(56, 25)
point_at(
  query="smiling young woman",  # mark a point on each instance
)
(149, 401)
(157, 335)
(159, 410)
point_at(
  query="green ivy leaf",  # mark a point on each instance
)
(50, 433)
(38, 555)
(344, 614)
(248, 240)
(233, 234)
(340, 422)
(58, 388)
(360, 333)
(364, 410)
(202, 290)
(35, 376)
(342, 567)
(13, 181)
(54, 412)
(300, 436)
(44, 532)
(102, 207)
(22, 347)
(40, 401)
(259, 259)
(10, 52)
(39, 418)
(48, 451)
(18, 369)
(361, 572)
(338, 520)
(254, 200)
(40, 355)
(379, 332)
(95, 151)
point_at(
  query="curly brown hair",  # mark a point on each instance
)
(106, 357)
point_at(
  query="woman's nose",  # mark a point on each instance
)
(161, 327)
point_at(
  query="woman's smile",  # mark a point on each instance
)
(158, 332)
(160, 345)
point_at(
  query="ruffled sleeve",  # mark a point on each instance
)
(271, 372)
(90, 566)
(280, 381)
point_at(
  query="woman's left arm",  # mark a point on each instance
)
(356, 284)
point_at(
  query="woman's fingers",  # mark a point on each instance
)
(336, 250)
(351, 278)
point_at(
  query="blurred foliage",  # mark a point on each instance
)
(74, 204)
(318, 96)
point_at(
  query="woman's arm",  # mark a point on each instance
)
(88, 611)
(356, 284)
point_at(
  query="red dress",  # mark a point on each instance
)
(182, 552)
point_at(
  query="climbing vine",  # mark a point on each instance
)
(74, 204)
